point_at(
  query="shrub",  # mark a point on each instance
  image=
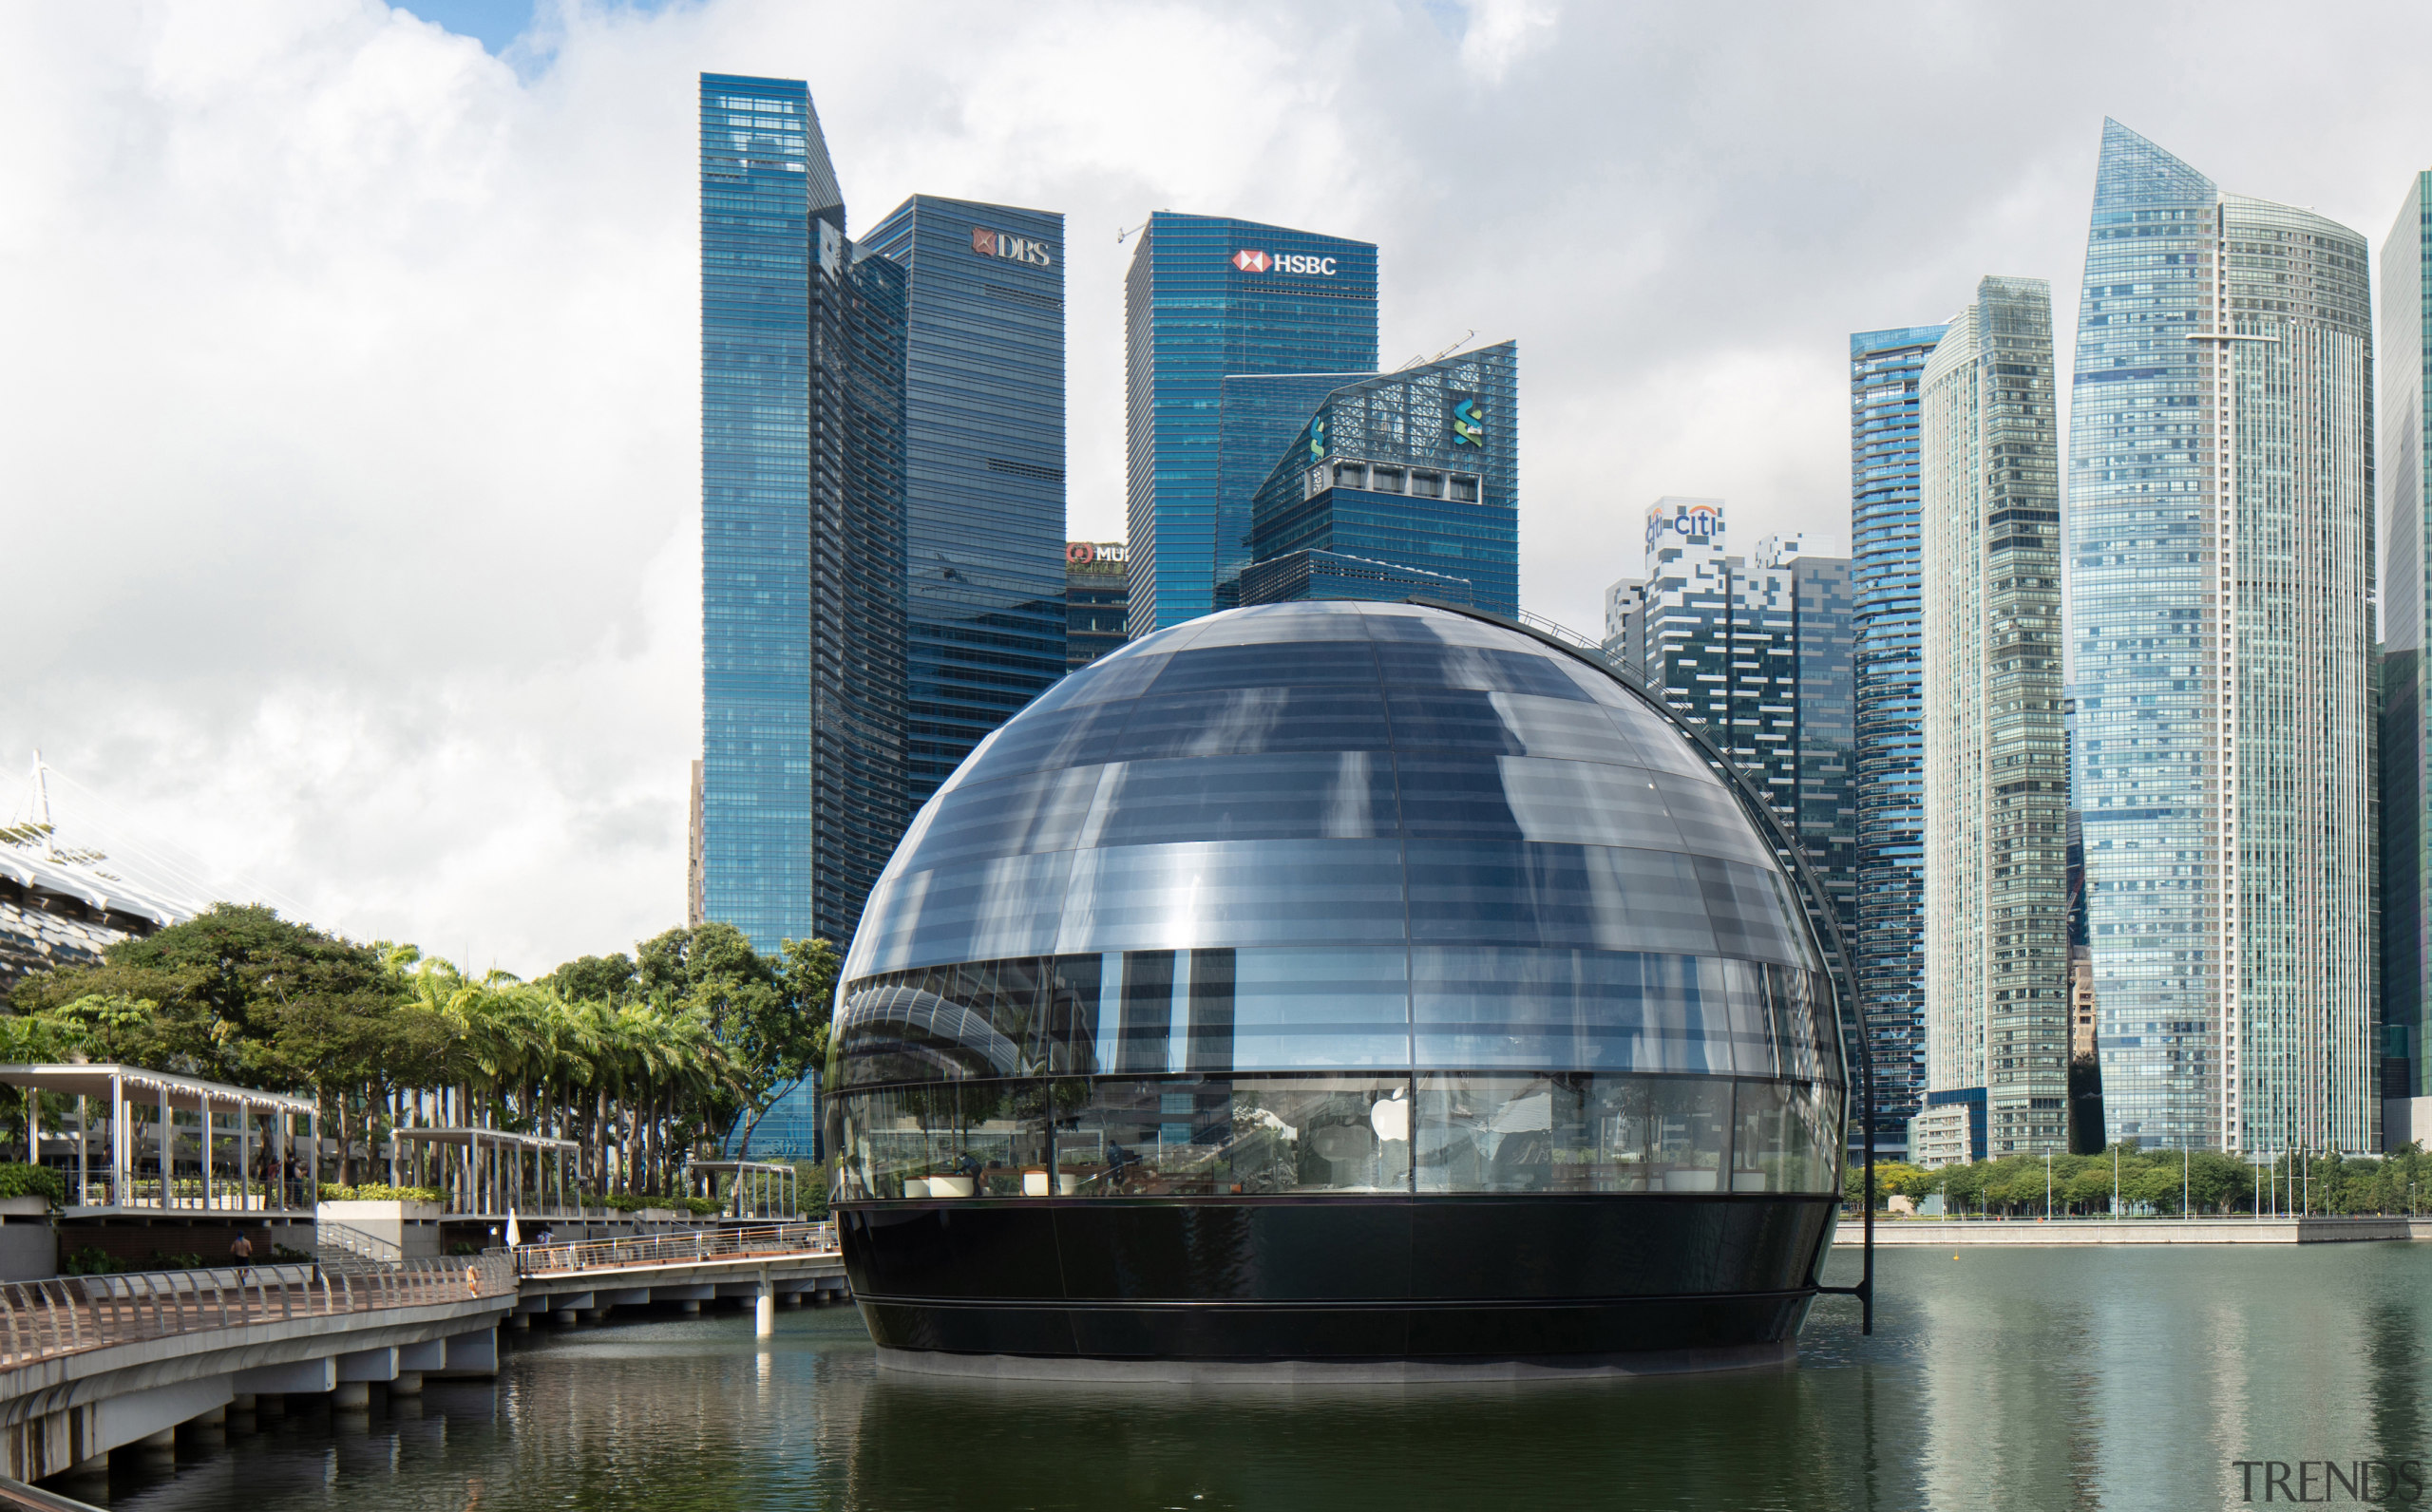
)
(18, 1179)
(380, 1192)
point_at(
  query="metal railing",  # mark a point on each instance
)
(672, 1248)
(344, 1247)
(42, 1319)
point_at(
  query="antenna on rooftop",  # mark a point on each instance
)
(1122, 231)
(1421, 362)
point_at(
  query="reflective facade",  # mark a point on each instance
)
(1417, 470)
(1887, 950)
(2220, 490)
(2407, 580)
(1205, 297)
(983, 552)
(802, 528)
(1996, 764)
(1326, 902)
(1096, 592)
(1258, 414)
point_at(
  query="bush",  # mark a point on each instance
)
(380, 1192)
(92, 1261)
(18, 1179)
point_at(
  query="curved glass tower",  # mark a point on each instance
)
(2220, 495)
(1339, 982)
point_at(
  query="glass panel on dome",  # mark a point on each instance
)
(1491, 669)
(1471, 720)
(1344, 795)
(1295, 1009)
(1300, 663)
(1217, 1136)
(1586, 803)
(1011, 816)
(1109, 678)
(1269, 892)
(1246, 721)
(1571, 1133)
(1009, 906)
(1559, 1010)
(964, 1140)
(1712, 822)
(1083, 735)
(1782, 1141)
(1749, 909)
(1505, 893)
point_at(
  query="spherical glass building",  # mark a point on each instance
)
(1336, 982)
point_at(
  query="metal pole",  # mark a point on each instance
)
(167, 1141)
(205, 1100)
(84, 1151)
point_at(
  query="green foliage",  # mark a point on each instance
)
(31, 1180)
(2163, 1182)
(637, 1201)
(380, 1192)
(91, 1260)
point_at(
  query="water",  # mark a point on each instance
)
(2098, 1377)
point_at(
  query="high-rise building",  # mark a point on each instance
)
(1257, 415)
(1209, 297)
(1094, 593)
(984, 469)
(1405, 484)
(1888, 951)
(802, 528)
(1625, 619)
(1996, 769)
(2220, 499)
(1758, 654)
(2405, 453)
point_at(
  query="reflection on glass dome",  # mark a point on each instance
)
(1321, 904)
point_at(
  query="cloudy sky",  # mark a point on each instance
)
(349, 395)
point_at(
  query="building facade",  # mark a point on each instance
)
(984, 626)
(1888, 951)
(1996, 764)
(2220, 496)
(1095, 591)
(1757, 652)
(1205, 297)
(1403, 484)
(1257, 416)
(802, 528)
(2406, 859)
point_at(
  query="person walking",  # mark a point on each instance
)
(242, 1253)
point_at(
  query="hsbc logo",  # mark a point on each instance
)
(1249, 261)
(1004, 244)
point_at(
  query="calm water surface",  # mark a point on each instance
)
(1998, 1378)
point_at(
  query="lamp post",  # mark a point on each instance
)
(2047, 1186)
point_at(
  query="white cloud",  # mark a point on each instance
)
(349, 464)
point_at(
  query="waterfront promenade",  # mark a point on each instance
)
(1938, 1232)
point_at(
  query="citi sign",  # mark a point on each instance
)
(1698, 522)
(1010, 247)
(1249, 261)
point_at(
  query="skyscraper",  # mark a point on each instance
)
(1398, 485)
(1207, 297)
(2406, 608)
(1757, 652)
(1888, 951)
(984, 469)
(1996, 769)
(802, 528)
(1095, 589)
(2220, 486)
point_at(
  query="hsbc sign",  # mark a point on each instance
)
(1011, 248)
(1249, 261)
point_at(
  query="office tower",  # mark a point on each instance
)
(1094, 596)
(2407, 501)
(1257, 416)
(1401, 485)
(1887, 950)
(2220, 517)
(1625, 620)
(984, 469)
(802, 528)
(1207, 297)
(1997, 785)
(1756, 653)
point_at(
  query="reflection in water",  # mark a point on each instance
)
(2120, 1379)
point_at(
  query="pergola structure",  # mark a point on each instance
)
(489, 1172)
(243, 1147)
(762, 1188)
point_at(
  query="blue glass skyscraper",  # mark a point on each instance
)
(802, 528)
(985, 463)
(1887, 950)
(2221, 529)
(2407, 754)
(1258, 414)
(1208, 297)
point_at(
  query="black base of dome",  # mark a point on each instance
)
(1331, 1371)
(1499, 1284)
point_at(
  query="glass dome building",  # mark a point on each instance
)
(1336, 982)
